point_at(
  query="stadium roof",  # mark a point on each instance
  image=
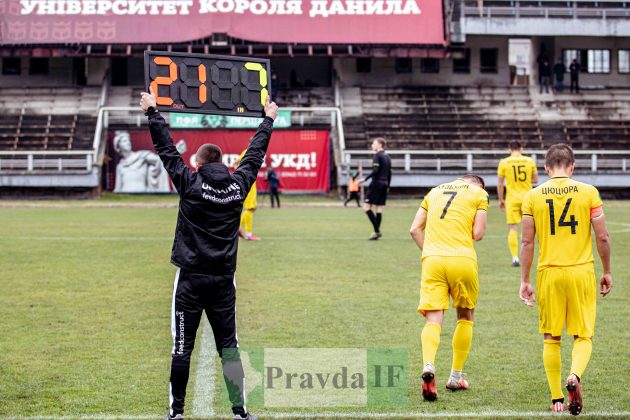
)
(308, 22)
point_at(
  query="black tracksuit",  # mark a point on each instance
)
(204, 250)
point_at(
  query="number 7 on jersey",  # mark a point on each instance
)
(448, 203)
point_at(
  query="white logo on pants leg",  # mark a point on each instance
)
(180, 342)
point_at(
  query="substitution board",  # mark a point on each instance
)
(208, 84)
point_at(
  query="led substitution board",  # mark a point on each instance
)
(208, 84)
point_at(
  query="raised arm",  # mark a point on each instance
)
(603, 249)
(248, 168)
(163, 144)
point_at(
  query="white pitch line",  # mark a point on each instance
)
(352, 415)
(424, 415)
(87, 238)
(203, 404)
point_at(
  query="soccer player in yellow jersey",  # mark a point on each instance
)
(562, 211)
(450, 217)
(249, 207)
(518, 173)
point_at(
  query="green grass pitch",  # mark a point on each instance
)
(86, 297)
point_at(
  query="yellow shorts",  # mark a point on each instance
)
(443, 277)
(513, 212)
(250, 201)
(567, 294)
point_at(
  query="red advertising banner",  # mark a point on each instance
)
(171, 21)
(300, 158)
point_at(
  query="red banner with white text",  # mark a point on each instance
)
(172, 21)
(301, 159)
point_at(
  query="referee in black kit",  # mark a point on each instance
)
(204, 250)
(377, 193)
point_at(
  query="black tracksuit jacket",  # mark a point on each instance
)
(211, 201)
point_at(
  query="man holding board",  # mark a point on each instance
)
(205, 248)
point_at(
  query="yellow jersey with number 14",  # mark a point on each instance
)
(451, 209)
(517, 170)
(561, 208)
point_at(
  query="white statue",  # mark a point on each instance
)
(138, 172)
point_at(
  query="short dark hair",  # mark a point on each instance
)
(475, 178)
(515, 145)
(381, 141)
(559, 156)
(209, 153)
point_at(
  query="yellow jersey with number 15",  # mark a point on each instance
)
(451, 209)
(517, 170)
(562, 209)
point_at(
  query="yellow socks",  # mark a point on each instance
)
(513, 243)
(553, 367)
(430, 339)
(247, 220)
(582, 348)
(462, 339)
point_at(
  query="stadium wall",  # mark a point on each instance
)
(612, 79)
(62, 72)
(384, 69)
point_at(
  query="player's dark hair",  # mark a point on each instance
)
(559, 156)
(209, 153)
(381, 141)
(515, 145)
(475, 178)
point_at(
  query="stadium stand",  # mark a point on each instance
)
(48, 118)
(482, 118)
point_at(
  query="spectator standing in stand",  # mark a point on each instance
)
(574, 69)
(545, 76)
(559, 70)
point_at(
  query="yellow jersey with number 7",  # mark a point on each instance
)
(451, 209)
(517, 170)
(562, 209)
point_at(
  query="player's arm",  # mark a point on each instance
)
(526, 292)
(248, 168)
(479, 225)
(417, 227)
(376, 166)
(163, 143)
(501, 192)
(535, 176)
(603, 249)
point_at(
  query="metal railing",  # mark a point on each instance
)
(573, 10)
(301, 117)
(444, 161)
(46, 160)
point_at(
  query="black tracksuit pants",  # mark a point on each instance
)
(193, 293)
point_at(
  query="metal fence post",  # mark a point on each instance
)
(469, 162)
(407, 162)
(594, 162)
(29, 163)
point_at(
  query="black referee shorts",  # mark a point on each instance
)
(377, 194)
